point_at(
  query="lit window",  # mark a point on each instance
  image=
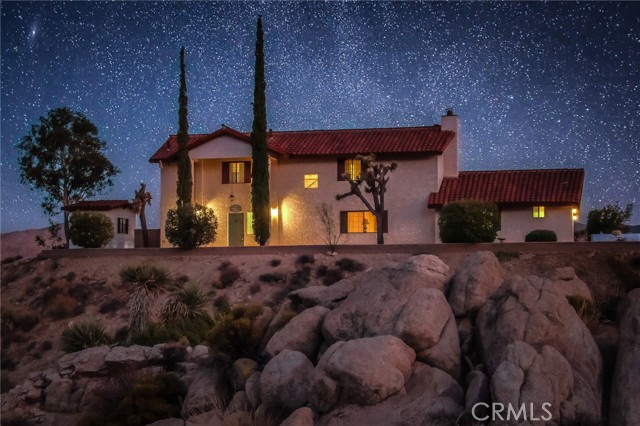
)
(310, 181)
(353, 168)
(236, 172)
(249, 223)
(361, 222)
(123, 225)
(538, 212)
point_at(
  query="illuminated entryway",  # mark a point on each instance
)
(236, 229)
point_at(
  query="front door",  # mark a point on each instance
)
(236, 229)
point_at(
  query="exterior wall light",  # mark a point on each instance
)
(274, 212)
(574, 214)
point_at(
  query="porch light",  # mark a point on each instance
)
(574, 214)
(274, 212)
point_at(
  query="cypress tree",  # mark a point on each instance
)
(183, 187)
(260, 171)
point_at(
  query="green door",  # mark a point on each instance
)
(236, 229)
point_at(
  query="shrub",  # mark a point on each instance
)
(228, 274)
(111, 305)
(184, 303)
(305, 259)
(90, 229)
(77, 337)
(300, 278)
(540, 235)
(151, 398)
(191, 226)
(627, 270)
(255, 288)
(64, 306)
(173, 354)
(271, 278)
(469, 222)
(235, 334)
(586, 310)
(321, 271)
(608, 219)
(222, 304)
(275, 262)
(194, 329)
(504, 256)
(11, 259)
(350, 265)
(333, 275)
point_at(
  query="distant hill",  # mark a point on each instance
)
(634, 229)
(22, 243)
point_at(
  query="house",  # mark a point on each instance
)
(122, 216)
(306, 169)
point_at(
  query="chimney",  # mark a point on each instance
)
(451, 122)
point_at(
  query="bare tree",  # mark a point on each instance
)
(141, 199)
(329, 225)
(375, 179)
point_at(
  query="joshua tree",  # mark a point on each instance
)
(375, 179)
(260, 172)
(141, 199)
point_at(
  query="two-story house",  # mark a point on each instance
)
(306, 169)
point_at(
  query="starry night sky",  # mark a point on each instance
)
(536, 85)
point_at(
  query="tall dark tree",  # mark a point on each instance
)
(183, 187)
(375, 179)
(260, 172)
(63, 156)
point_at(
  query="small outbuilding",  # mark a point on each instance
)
(122, 216)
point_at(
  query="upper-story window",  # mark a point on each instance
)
(352, 167)
(236, 172)
(310, 181)
(123, 225)
(538, 212)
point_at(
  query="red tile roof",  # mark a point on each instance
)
(429, 140)
(513, 187)
(99, 205)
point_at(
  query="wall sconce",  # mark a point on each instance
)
(231, 198)
(574, 214)
(274, 212)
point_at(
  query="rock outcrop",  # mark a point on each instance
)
(284, 382)
(478, 275)
(566, 280)
(625, 393)
(361, 371)
(526, 324)
(302, 334)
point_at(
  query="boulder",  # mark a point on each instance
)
(89, 361)
(327, 296)
(134, 357)
(210, 418)
(531, 378)
(241, 370)
(431, 396)
(302, 334)
(478, 390)
(361, 371)
(534, 311)
(199, 353)
(252, 390)
(205, 393)
(405, 301)
(301, 417)
(476, 277)
(568, 283)
(168, 422)
(624, 409)
(61, 396)
(284, 382)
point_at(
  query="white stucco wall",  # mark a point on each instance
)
(119, 240)
(221, 147)
(406, 201)
(518, 222)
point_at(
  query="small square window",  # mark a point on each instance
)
(538, 212)
(310, 181)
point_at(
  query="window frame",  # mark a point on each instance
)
(122, 226)
(538, 212)
(227, 172)
(312, 180)
(342, 167)
(344, 222)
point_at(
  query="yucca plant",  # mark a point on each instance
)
(185, 303)
(77, 337)
(147, 282)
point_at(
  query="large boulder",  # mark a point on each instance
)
(302, 334)
(284, 382)
(205, 394)
(361, 371)
(625, 393)
(327, 296)
(301, 417)
(476, 277)
(568, 283)
(532, 310)
(89, 361)
(406, 301)
(241, 370)
(430, 396)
